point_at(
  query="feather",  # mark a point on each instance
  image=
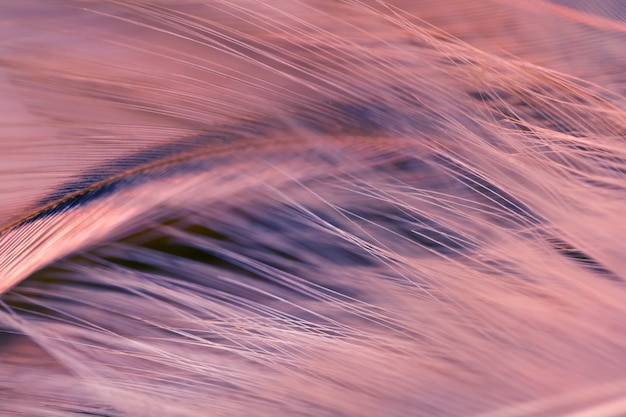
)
(312, 208)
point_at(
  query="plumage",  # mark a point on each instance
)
(324, 208)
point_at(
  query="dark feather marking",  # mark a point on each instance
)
(366, 119)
